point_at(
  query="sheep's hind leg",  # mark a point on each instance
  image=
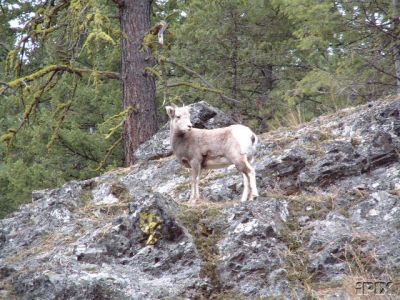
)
(252, 181)
(245, 188)
(249, 178)
(242, 165)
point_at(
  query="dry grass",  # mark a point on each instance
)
(119, 171)
(100, 212)
(315, 205)
(205, 222)
(362, 267)
(44, 244)
(203, 204)
(279, 139)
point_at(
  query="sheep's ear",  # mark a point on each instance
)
(170, 111)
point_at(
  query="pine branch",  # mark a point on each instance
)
(9, 137)
(58, 68)
(84, 155)
(109, 152)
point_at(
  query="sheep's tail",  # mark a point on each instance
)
(246, 139)
(254, 142)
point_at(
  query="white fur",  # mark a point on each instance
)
(241, 134)
(213, 148)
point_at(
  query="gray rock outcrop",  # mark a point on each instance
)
(327, 218)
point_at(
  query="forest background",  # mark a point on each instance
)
(65, 71)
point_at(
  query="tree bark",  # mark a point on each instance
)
(267, 81)
(138, 86)
(396, 32)
(234, 56)
(266, 85)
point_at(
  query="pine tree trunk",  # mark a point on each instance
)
(267, 81)
(138, 86)
(396, 49)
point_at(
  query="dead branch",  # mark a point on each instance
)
(208, 86)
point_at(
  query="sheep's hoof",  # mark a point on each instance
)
(252, 197)
(193, 201)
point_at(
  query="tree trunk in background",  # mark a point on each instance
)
(138, 86)
(266, 85)
(267, 81)
(234, 56)
(396, 30)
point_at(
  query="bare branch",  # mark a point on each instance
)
(189, 71)
(120, 3)
(203, 89)
(208, 86)
(379, 69)
(7, 86)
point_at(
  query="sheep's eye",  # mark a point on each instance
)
(178, 117)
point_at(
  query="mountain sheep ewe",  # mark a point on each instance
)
(212, 149)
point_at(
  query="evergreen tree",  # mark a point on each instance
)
(244, 48)
(287, 61)
(347, 47)
(58, 101)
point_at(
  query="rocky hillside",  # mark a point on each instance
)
(327, 221)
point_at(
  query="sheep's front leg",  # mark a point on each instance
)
(195, 170)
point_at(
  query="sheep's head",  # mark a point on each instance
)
(180, 118)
